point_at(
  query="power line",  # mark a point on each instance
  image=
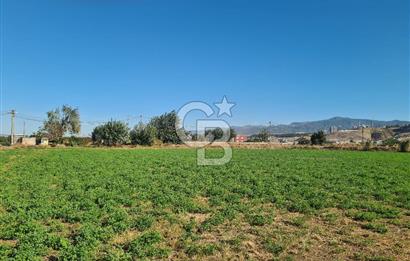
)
(28, 117)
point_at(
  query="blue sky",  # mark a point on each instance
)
(279, 61)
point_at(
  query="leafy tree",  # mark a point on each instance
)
(165, 126)
(111, 133)
(193, 135)
(318, 138)
(264, 135)
(214, 134)
(232, 134)
(60, 122)
(5, 140)
(143, 134)
(405, 146)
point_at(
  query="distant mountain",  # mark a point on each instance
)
(313, 126)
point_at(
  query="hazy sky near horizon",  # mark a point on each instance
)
(279, 61)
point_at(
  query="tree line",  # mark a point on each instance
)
(65, 122)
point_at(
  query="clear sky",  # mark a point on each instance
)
(279, 61)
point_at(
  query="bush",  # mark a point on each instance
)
(143, 135)
(111, 133)
(262, 136)
(165, 126)
(303, 141)
(378, 228)
(214, 134)
(5, 141)
(391, 142)
(74, 141)
(367, 146)
(318, 138)
(405, 146)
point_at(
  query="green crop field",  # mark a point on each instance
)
(124, 204)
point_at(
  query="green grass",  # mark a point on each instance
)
(110, 203)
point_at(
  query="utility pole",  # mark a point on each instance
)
(24, 129)
(13, 114)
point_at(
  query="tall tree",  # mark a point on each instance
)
(318, 138)
(232, 134)
(264, 135)
(143, 134)
(112, 133)
(214, 134)
(165, 126)
(60, 122)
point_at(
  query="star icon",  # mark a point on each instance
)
(225, 107)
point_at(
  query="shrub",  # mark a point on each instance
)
(111, 133)
(214, 134)
(75, 141)
(367, 146)
(405, 146)
(391, 142)
(143, 134)
(378, 228)
(258, 220)
(165, 126)
(144, 222)
(273, 247)
(262, 136)
(318, 138)
(303, 141)
(364, 216)
(5, 141)
(146, 246)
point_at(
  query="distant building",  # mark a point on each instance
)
(332, 129)
(44, 142)
(28, 141)
(240, 138)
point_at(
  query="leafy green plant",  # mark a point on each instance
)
(144, 222)
(91, 203)
(379, 228)
(111, 133)
(143, 134)
(145, 246)
(258, 220)
(318, 138)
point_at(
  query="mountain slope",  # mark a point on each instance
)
(312, 126)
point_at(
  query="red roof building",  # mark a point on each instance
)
(240, 138)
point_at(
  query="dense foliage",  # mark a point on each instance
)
(112, 133)
(165, 126)
(5, 140)
(405, 146)
(85, 204)
(61, 122)
(262, 136)
(214, 134)
(303, 141)
(318, 138)
(143, 134)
